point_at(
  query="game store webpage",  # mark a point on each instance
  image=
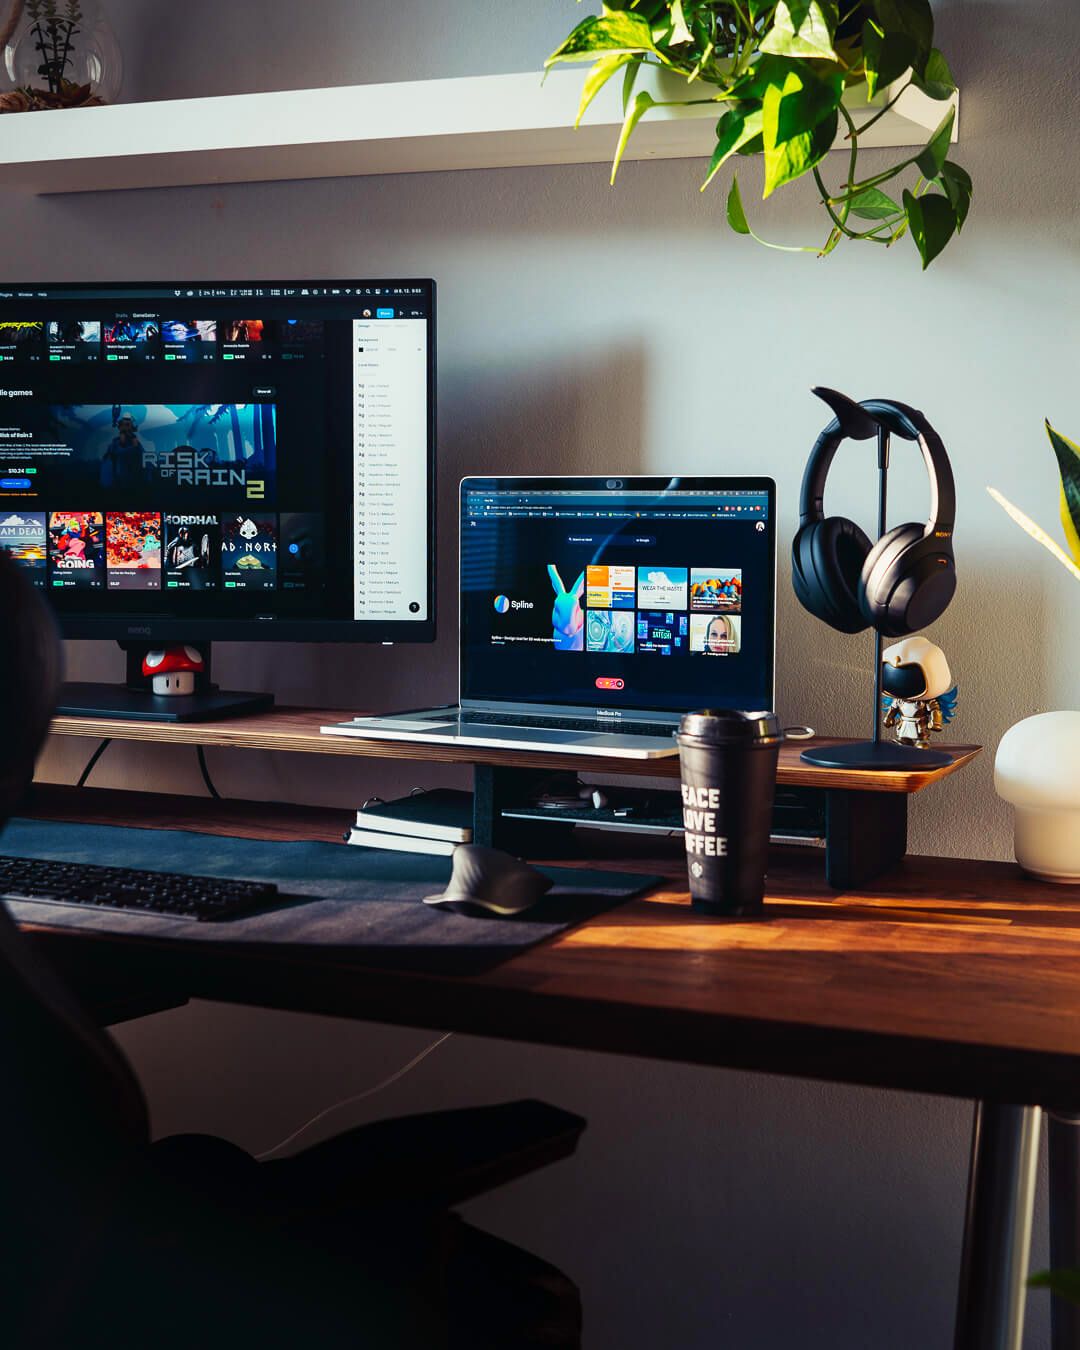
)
(267, 460)
(602, 599)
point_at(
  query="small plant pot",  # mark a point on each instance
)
(1037, 770)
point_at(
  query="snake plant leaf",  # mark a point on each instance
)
(803, 28)
(936, 79)
(736, 216)
(602, 71)
(1064, 1283)
(736, 133)
(886, 56)
(931, 158)
(609, 32)
(640, 106)
(956, 183)
(1068, 458)
(932, 221)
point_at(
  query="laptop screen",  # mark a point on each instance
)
(647, 594)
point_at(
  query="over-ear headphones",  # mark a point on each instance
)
(904, 581)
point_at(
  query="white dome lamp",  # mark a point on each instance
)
(1037, 770)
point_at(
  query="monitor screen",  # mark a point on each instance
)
(637, 593)
(205, 460)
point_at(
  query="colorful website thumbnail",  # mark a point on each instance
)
(715, 634)
(133, 550)
(77, 550)
(661, 632)
(249, 553)
(192, 552)
(567, 616)
(22, 538)
(609, 587)
(716, 589)
(609, 630)
(662, 587)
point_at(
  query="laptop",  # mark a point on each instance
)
(595, 612)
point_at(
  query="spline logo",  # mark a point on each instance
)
(502, 604)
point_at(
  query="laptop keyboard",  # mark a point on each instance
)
(617, 726)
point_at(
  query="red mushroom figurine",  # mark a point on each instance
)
(173, 670)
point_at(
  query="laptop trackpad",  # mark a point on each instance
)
(541, 735)
(409, 724)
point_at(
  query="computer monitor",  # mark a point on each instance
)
(189, 461)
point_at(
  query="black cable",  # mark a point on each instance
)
(201, 753)
(93, 760)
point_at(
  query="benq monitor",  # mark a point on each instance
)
(190, 461)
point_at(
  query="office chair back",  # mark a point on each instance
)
(72, 1114)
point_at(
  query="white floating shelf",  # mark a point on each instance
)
(482, 122)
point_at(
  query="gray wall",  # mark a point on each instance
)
(587, 329)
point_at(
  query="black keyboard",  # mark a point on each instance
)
(616, 725)
(206, 899)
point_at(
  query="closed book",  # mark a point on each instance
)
(442, 813)
(401, 843)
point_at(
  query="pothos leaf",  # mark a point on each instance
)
(885, 56)
(602, 71)
(790, 153)
(956, 183)
(735, 131)
(736, 216)
(803, 28)
(605, 33)
(873, 204)
(1068, 458)
(640, 106)
(932, 157)
(932, 221)
(936, 79)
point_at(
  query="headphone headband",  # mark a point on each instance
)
(891, 416)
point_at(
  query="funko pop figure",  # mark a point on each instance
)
(918, 695)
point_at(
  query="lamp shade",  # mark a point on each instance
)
(1037, 770)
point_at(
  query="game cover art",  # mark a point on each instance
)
(189, 339)
(249, 552)
(170, 453)
(192, 552)
(133, 550)
(22, 538)
(73, 339)
(21, 341)
(77, 549)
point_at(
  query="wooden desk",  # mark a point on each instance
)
(946, 976)
(863, 813)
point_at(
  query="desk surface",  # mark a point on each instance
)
(297, 730)
(946, 976)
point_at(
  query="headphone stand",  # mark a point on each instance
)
(877, 753)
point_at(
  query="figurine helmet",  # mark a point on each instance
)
(915, 668)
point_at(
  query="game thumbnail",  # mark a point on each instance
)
(609, 630)
(245, 340)
(22, 538)
(249, 552)
(716, 589)
(170, 452)
(132, 337)
(715, 634)
(71, 340)
(192, 552)
(77, 550)
(133, 550)
(21, 341)
(302, 552)
(299, 338)
(661, 587)
(189, 339)
(609, 587)
(661, 632)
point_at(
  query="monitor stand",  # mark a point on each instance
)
(136, 701)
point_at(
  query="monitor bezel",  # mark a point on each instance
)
(657, 483)
(149, 628)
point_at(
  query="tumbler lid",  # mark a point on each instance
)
(731, 726)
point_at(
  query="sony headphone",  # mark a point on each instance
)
(904, 581)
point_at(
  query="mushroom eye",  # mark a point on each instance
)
(154, 659)
(193, 654)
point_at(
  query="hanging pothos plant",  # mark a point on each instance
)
(778, 71)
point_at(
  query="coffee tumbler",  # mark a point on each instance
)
(728, 761)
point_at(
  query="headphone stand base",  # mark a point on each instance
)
(881, 755)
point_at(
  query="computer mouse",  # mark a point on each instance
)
(486, 882)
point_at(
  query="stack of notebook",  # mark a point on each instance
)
(432, 822)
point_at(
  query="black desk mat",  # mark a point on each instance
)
(368, 900)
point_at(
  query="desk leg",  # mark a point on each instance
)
(997, 1227)
(1063, 1140)
(496, 787)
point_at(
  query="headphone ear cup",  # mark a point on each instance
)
(907, 581)
(827, 561)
